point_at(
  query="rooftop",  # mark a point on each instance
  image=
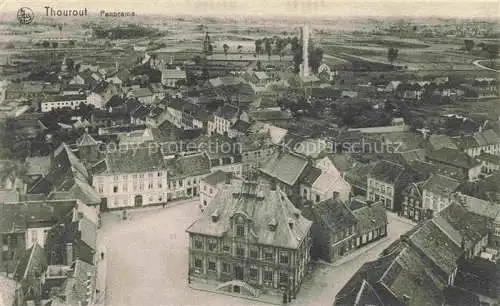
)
(272, 217)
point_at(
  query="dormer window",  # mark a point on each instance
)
(240, 230)
(272, 225)
(215, 216)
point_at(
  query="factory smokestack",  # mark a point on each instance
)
(305, 51)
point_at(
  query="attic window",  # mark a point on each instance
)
(215, 215)
(272, 224)
(296, 213)
(291, 222)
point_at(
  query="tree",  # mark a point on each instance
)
(258, 46)
(240, 47)
(492, 53)
(226, 48)
(392, 54)
(315, 58)
(71, 43)
(268, 48)
(469, 45)
(54, 44)
(45, 44)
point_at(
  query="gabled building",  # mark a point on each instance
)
(131, 178)
(386, 182)
(185, 173)
(456, 161)
(419, 268)
(437, 192)
(250, 240)
(411, 207)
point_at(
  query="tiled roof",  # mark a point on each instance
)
(79, 287)
(370, 217)
(437, 246)
(130, 161)
(142, 92)
(310, 176)
(86, 140)
(227, 112)
(34, 261)
(387, 172)
(440, 184)
(489, 158)
(480, 276)
(263, 206)
(189, 165)
(371, 272)
(217, 177)
(488, 137)
(481, 207)
(241, 126)
(285, 167)
(88, 230)
(58, 98)
(173, 74)
(461, 225)
(38, 165)
(115, 101)
(358, 174)
(332, 214)
(453, 157)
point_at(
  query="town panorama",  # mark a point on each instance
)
(181, 160)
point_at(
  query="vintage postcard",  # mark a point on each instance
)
(236, 152)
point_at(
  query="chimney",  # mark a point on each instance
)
(273, 185)
(69, 253)
(215, 216)
(336, 195)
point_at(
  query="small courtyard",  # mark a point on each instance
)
(147, 261)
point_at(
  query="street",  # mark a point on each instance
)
(147, 261)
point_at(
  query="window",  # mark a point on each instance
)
(125, 177)
(254, 253)
(115, 189)
(283, 277)
(212, 245)
(211, 191)
(198, 243)
(159, 185)
(150, 175)
(150, 186)
(254, 273)
(198, 263)
(268, 255)
(205, 188)
(180, 183)
(226, 268)
(141, 175)
(101, 188)
(159, 174)
(240, 252)
(318, 198)
(284, 257)
(115, 178)
(226, 247)
(212, 266)
(125, 187)
(268, 275)
(240, 230)
(134, 176)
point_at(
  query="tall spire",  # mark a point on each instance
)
(305, 51)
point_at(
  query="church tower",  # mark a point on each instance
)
(206, 44)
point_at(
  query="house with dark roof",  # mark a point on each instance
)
(487, 141)
(479, 277)
(250, 240)
(286, 169)
(437, 192)
(457, 161)
(411, 207)
(386, 182)
(333, 230)
(371, 220)
(185, 173)
(422, 266)
(131, 178)
(224, 118)
(490, 163)
(29, 272)
(210, 185)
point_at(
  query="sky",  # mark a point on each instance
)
(280, 8)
